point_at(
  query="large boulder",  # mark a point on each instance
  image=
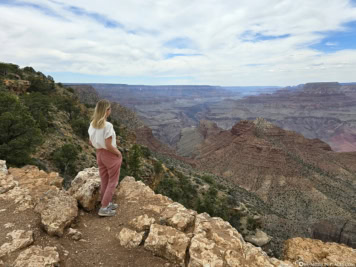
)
(20, 239)
(37, 256)
(310, 251)
(86, 188)
(58, 210)
(168, 243)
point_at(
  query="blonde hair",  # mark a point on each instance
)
(99, 116)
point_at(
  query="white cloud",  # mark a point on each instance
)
(81, 43)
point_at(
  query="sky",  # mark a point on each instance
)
(206, 42)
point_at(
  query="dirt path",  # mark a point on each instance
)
(99, 246)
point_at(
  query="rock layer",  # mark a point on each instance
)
(183, 236)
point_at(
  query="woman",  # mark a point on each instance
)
(103, 138)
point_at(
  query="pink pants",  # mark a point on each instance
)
(109, 169)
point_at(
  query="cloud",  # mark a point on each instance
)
(331, 43)
(211, 42)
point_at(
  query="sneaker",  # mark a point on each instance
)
(112, 206)
(106, 212)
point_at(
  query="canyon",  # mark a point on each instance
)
(316, 110)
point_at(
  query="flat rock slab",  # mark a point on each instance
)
(58, 210)
(37, 256)
(20, 239)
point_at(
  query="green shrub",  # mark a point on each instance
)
(157, 166)
(7, 68)
(39, 106)
(19, 134)
(134, 161)
(40, 84)
(65, 158)
(68, 105)
(80, 126)
(208, 179)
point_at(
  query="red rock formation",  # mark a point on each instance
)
(145, 137)
(301, 179)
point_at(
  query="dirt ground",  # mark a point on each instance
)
(98, 247)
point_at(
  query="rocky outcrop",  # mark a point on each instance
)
(177, 216)
(148, 223)
(167, 242)
(17, 86)
(305, 251)
(57, 210)
(181, 235)
(20, 239)
(38, 256)
(10, 191)
(35, 180)
(85, 188)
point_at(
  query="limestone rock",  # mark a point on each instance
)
(57, 210)
(177, 216)
(37, 256)
(259, 239)
(167, 242)
(204, 252)
(75, 234)
(36, 181)
(309, 251)
(142, 223)
(6, 182)
(9, 190)
(132, 191)
(129, 238)
(3, 168)
(20, 239)
(86, 188)
(217, 243)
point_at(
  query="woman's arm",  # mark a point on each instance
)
(110, 147)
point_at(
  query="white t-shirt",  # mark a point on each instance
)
(98, 136)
